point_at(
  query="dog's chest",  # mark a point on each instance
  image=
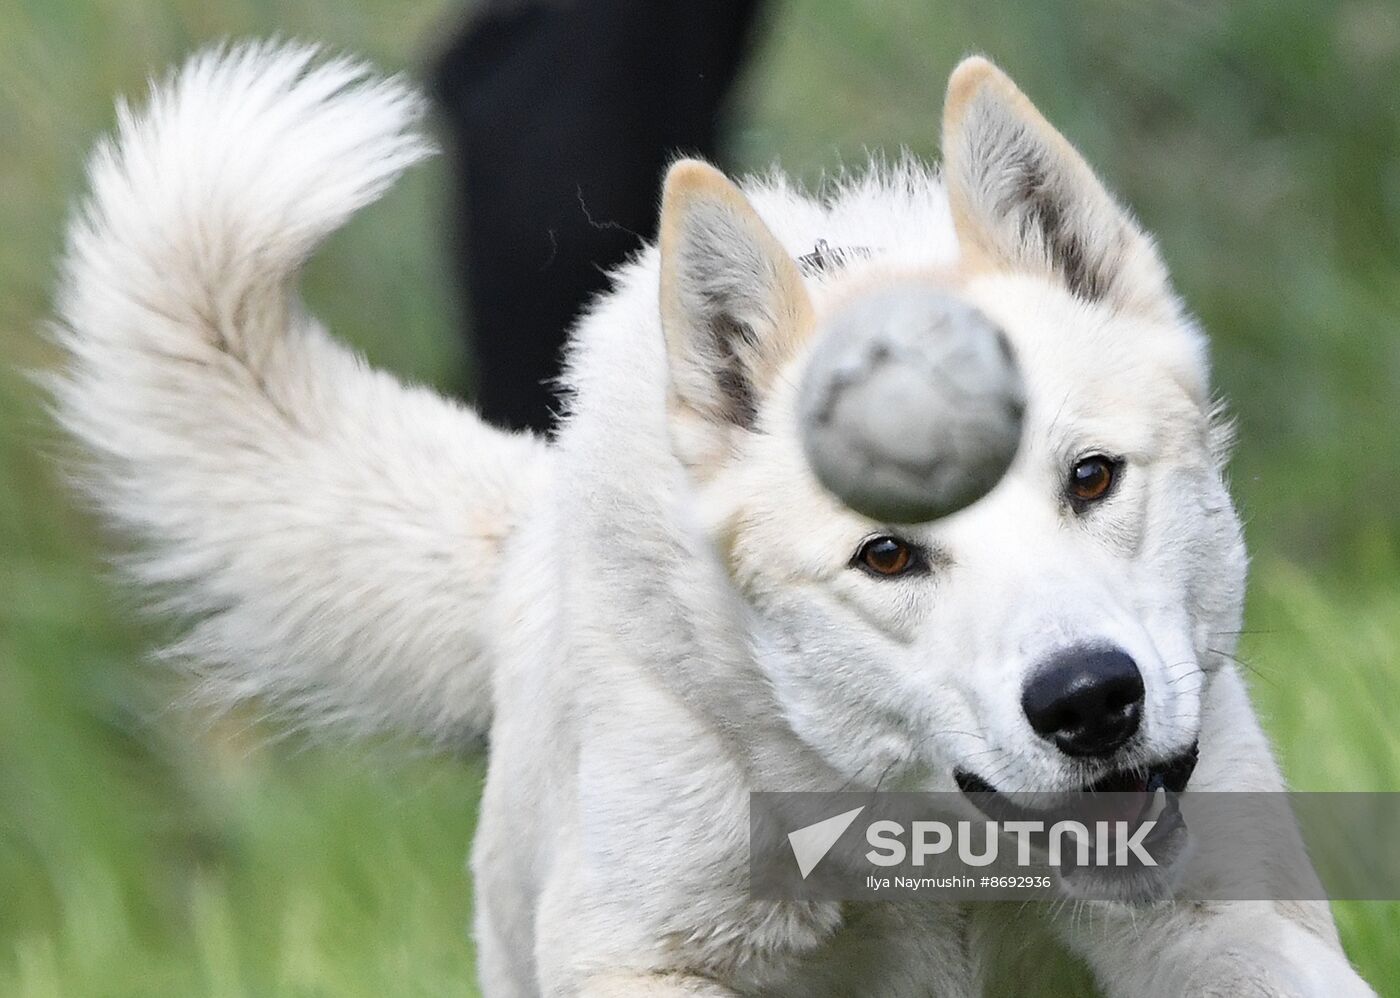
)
(890, 950)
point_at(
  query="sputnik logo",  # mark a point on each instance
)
(812, 842)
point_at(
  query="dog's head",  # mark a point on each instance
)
(1058, 632)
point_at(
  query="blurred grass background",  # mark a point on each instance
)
(143, 854)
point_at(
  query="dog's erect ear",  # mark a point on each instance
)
(732, 302)
(1023, 199)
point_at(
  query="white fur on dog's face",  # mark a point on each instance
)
(902, 681)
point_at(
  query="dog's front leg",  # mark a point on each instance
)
(1268, 949)
(1263, 950)
(644, 985)
(1258, 949)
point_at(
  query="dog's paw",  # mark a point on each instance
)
(1306, 968)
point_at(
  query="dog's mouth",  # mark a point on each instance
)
(1130, 794)
(1132, 804)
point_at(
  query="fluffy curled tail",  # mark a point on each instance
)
(331, 535)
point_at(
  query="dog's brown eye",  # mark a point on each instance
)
(1091, 478)
(886, 556)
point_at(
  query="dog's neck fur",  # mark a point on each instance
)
(634, 498)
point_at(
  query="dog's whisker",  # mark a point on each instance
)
(1243, 664)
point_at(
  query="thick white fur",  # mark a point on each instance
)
(656, 614)
(332, 533)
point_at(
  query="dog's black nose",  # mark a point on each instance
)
(1088, 701)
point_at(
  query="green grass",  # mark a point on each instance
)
(143, 852)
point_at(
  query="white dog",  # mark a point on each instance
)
(662, 610)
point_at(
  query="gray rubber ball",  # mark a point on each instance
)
(911, 405)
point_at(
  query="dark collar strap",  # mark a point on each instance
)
(825, 258)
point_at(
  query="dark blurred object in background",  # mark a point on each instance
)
(561, 118)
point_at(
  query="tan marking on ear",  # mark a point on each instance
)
(734, 310)
(1061, 221)
(969, 79)
(976, 72)
(689, 180)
